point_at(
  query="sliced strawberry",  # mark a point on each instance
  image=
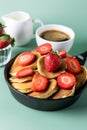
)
(24, 73)
(62, 53)
(44, 48)
(26, 58)
(73, 65)
(39, 83)
(52, 62)
(66, 80)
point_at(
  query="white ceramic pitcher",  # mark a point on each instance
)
(19, 25)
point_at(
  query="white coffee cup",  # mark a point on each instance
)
(59, 45)
(19, 25)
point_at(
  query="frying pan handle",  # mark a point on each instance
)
(82, 57)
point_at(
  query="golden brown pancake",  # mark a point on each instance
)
(20, 80)
(50, 75)
(23, 87)
(52, 88)
(62, 93)
(16, 67)
(81, 77)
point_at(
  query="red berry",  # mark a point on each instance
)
(5, 40)
(66, 80)
(24, 73)
(39, 83)
(44, 48)
(1, 28)
(26, 58)
(52, 62)
(73, 65)
(62, 53)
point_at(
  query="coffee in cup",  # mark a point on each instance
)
(59, 36)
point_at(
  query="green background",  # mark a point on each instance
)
(15, 116)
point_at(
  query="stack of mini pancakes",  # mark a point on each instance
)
(53, 91)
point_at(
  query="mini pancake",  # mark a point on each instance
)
(20, 80)
(50, 75)
(52, 88)
(16, 67)
(81, 77)
(63, 93)
(23, 87)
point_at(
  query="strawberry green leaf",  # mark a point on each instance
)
(4, 38)
(53, 52)
(12, 42)
(2, 25)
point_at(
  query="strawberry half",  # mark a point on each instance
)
(24, 73)
(44, 48)
(39, 83)
(66, 80)
(52, 62)
(5, 40)
(26, 58)
(73, 65)
(62, 53)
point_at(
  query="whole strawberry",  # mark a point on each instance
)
(5, 40)
(52, 62)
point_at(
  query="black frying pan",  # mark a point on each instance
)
(45, 104)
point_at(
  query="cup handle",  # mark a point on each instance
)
(39, 22)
